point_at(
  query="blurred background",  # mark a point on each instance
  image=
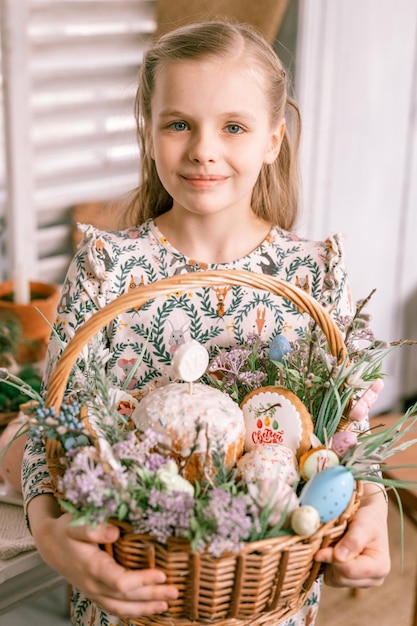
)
(67, 135)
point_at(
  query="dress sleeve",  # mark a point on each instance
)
(84, 292)
(337, 297)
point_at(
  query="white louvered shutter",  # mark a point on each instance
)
(70, 75)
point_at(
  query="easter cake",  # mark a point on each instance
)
(269, 461)
(189, 419)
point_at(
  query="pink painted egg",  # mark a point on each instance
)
(343, 441)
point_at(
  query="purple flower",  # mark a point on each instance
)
(86, 484)
(252, 379)
(253, 340)
(232, 519)
(167, 515)
(230, 362)
(140, 451)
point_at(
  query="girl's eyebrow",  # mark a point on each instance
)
(171, 113)
(242, 115)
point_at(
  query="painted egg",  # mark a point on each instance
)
(269, 462)
(343, 441)
(305, 520)
(316, 460)
(329, 491)
(280, 346)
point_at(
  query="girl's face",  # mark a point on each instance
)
(210, 134)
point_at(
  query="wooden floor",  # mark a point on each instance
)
(389, 605)
(48, 610)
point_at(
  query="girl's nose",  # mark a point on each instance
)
(203, 148)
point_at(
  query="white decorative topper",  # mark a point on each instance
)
(190, 361)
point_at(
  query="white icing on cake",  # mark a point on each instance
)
(174, 412)
(269, 462)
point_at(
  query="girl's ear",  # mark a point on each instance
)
(277, 136)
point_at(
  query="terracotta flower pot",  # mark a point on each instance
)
(35, 330)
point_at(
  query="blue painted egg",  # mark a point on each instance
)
(329, 491)
(280, 346)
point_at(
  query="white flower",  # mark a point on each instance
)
(354, 376)
(93, 352)
(169, 476)
(119, 396)
(276, 496)
(106, 454)
(355, 381)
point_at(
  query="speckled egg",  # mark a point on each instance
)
(305, 520)
(343, 441)
(329, 491)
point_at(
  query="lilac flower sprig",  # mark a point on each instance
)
(242, 369)
(223, 521)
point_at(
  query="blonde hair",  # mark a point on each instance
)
(275, 195)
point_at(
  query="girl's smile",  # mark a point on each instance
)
(204, 182)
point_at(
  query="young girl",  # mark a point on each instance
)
(218, 191)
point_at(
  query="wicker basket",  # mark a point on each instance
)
(269, 579)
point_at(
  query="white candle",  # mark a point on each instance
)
(21, 287)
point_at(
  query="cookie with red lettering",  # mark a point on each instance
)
(275, 415)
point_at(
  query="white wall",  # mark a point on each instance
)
(357, 87)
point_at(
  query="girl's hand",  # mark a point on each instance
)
(361, 558)
(74, 552)
(362, 407)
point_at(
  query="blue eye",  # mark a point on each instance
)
(179, 126)
(234, 129)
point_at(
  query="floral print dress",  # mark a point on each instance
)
(109, 264)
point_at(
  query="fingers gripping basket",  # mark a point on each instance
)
(268, 580)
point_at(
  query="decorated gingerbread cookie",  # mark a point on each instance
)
(274, 415)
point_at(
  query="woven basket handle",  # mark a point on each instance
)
(193, 280)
